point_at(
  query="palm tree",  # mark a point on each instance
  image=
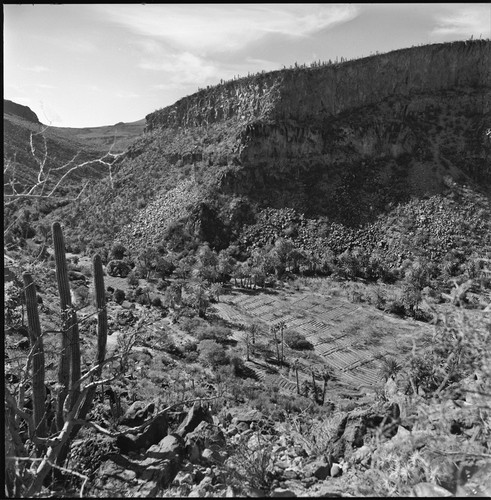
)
(389, 368)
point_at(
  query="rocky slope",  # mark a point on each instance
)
(347, 142)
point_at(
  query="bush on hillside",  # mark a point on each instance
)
(119, 296)
(213, 332)
(117, 252)
(297, 341)
(132, 279)
(212, 353)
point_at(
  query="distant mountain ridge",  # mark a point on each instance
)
(21, 125)
(25, 112)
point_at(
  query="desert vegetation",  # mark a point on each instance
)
(190, 332)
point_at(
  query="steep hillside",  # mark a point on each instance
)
(27, 142)
(347, 142)
(63, 144)
(116, 138)
(12, 108)
(40, 158)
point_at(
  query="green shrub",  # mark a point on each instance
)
(297, 341)
(238, 366)
(117, 252)
(157, 302)
(191, 325)
(119, 296)
(213, 332)
(212, 353)
(132, 279)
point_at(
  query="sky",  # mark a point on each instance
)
(88, 65)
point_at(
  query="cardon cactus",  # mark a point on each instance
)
(38, 364)
(100, 301)
(69, 367)
(78, 404)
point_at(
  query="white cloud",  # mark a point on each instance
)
(464, 21)
(209, 28)
(93, 88)
(127, 95)
(44, 86)
(185, 67)
(36, 69)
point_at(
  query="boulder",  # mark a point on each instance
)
(430, 490)
(478, 483)
(205, 436)
(336, 470)
(282, 493)
(137, 413)
(195, 416)
(249, 416)
(322, 472)
(349, 429)
(122, 477)
(151, 435)
(212, 456)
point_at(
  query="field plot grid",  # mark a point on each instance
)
(347, 336)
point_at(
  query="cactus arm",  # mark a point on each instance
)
(100, 296)
(69, 368)
(38, 360)
(100, 299)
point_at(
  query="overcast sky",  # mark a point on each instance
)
(91, 65)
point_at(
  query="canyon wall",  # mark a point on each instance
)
(344, 141)
(309, 95)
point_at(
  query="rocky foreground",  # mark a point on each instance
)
(239, 451)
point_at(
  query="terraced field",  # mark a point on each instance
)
(350, 338)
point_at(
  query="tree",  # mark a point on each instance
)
(173, 295)
(212, 353)
(296, 340)
(51, 178)
(117, 252)
(281, 255)
(148, 260)
(225, 265)
(216, 289)
(198, 297)
(415, 279)
(164, 267)
(278, 339)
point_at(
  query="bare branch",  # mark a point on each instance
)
(38, 189)
(55, 466)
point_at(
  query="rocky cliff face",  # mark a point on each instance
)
(308, 96)
(346, 141)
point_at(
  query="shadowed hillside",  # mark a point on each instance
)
(345, 142)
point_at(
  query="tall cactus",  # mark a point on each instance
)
(69, 372)
(69, 367)
(100, 300)
(38, 363)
